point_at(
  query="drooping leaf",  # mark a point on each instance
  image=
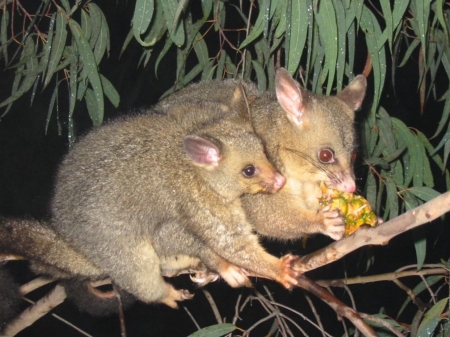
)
(4, 35)
(143, 13)
(110, 91)
(326, 19)
(372, 30)
(256, 30)
(51, 106)
(298, 24)
(101, 44)
(92, 107)
(48, 44)
(217, 330)
(342, 45)
(157, 28)
(432, 318)
(424, 285)
(90, 67)
(176, 30)
(57, 48)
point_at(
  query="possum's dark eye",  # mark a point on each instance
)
(249, 171)
(326, 156)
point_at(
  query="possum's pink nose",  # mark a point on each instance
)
(280, 181)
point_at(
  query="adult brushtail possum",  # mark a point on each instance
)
(308, 137)
(153, 193)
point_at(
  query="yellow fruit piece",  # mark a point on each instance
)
(355, 210)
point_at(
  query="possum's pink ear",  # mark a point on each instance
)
(292, 98)
(201, 151)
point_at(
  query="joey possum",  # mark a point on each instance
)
(152, 193)
(308, 137)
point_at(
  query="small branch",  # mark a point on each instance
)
(381, 322)
(33, 313)
(382, 277)
(34, 284)
(213, 305)
(340, 307)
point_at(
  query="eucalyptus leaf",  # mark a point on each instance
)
(90, 67)
(57, 47)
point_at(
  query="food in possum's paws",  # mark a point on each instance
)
(355, 210)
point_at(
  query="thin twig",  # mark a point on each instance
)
(213, 305)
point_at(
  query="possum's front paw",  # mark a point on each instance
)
(334, 223)
(175, 295)
(288, 276)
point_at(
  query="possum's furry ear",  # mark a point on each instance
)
(10, 297)
(96, 302)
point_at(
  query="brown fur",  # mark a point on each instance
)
(149, 193)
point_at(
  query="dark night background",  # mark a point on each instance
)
(29, 158)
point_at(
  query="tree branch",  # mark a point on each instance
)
(379, 235)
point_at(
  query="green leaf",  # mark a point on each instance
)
(387, 13)
(208, 71)
(207, 6)
(281, 28)
(434, 156)
(48, 44)
(386, 138)
(176, 32)
(424, 285)
(392, 198)
(163, 52)
(127, 41)
(256, 30)
(4, 35)
(101, 43)
(57, 48)
(420, 246)
(73, 85)
(313, 42)
(445, 114)
(143, 13)
(441, 18)
(424, 193)
(391, 156)
(328, 29)
(298, 24)
(31, 70)
(217, 330)
(86, 24)
(157, 28)
(432, 319)
(92, 107)
(66, 5)
(90, 67)
(110, 91)
(371, 189)
(342, 48)
(398, 12)
(261, 78)
(370, 26)
(408, 52)
(407, 137)
(201, 50)
(221, 65)
(422, 16)
(51, 106)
